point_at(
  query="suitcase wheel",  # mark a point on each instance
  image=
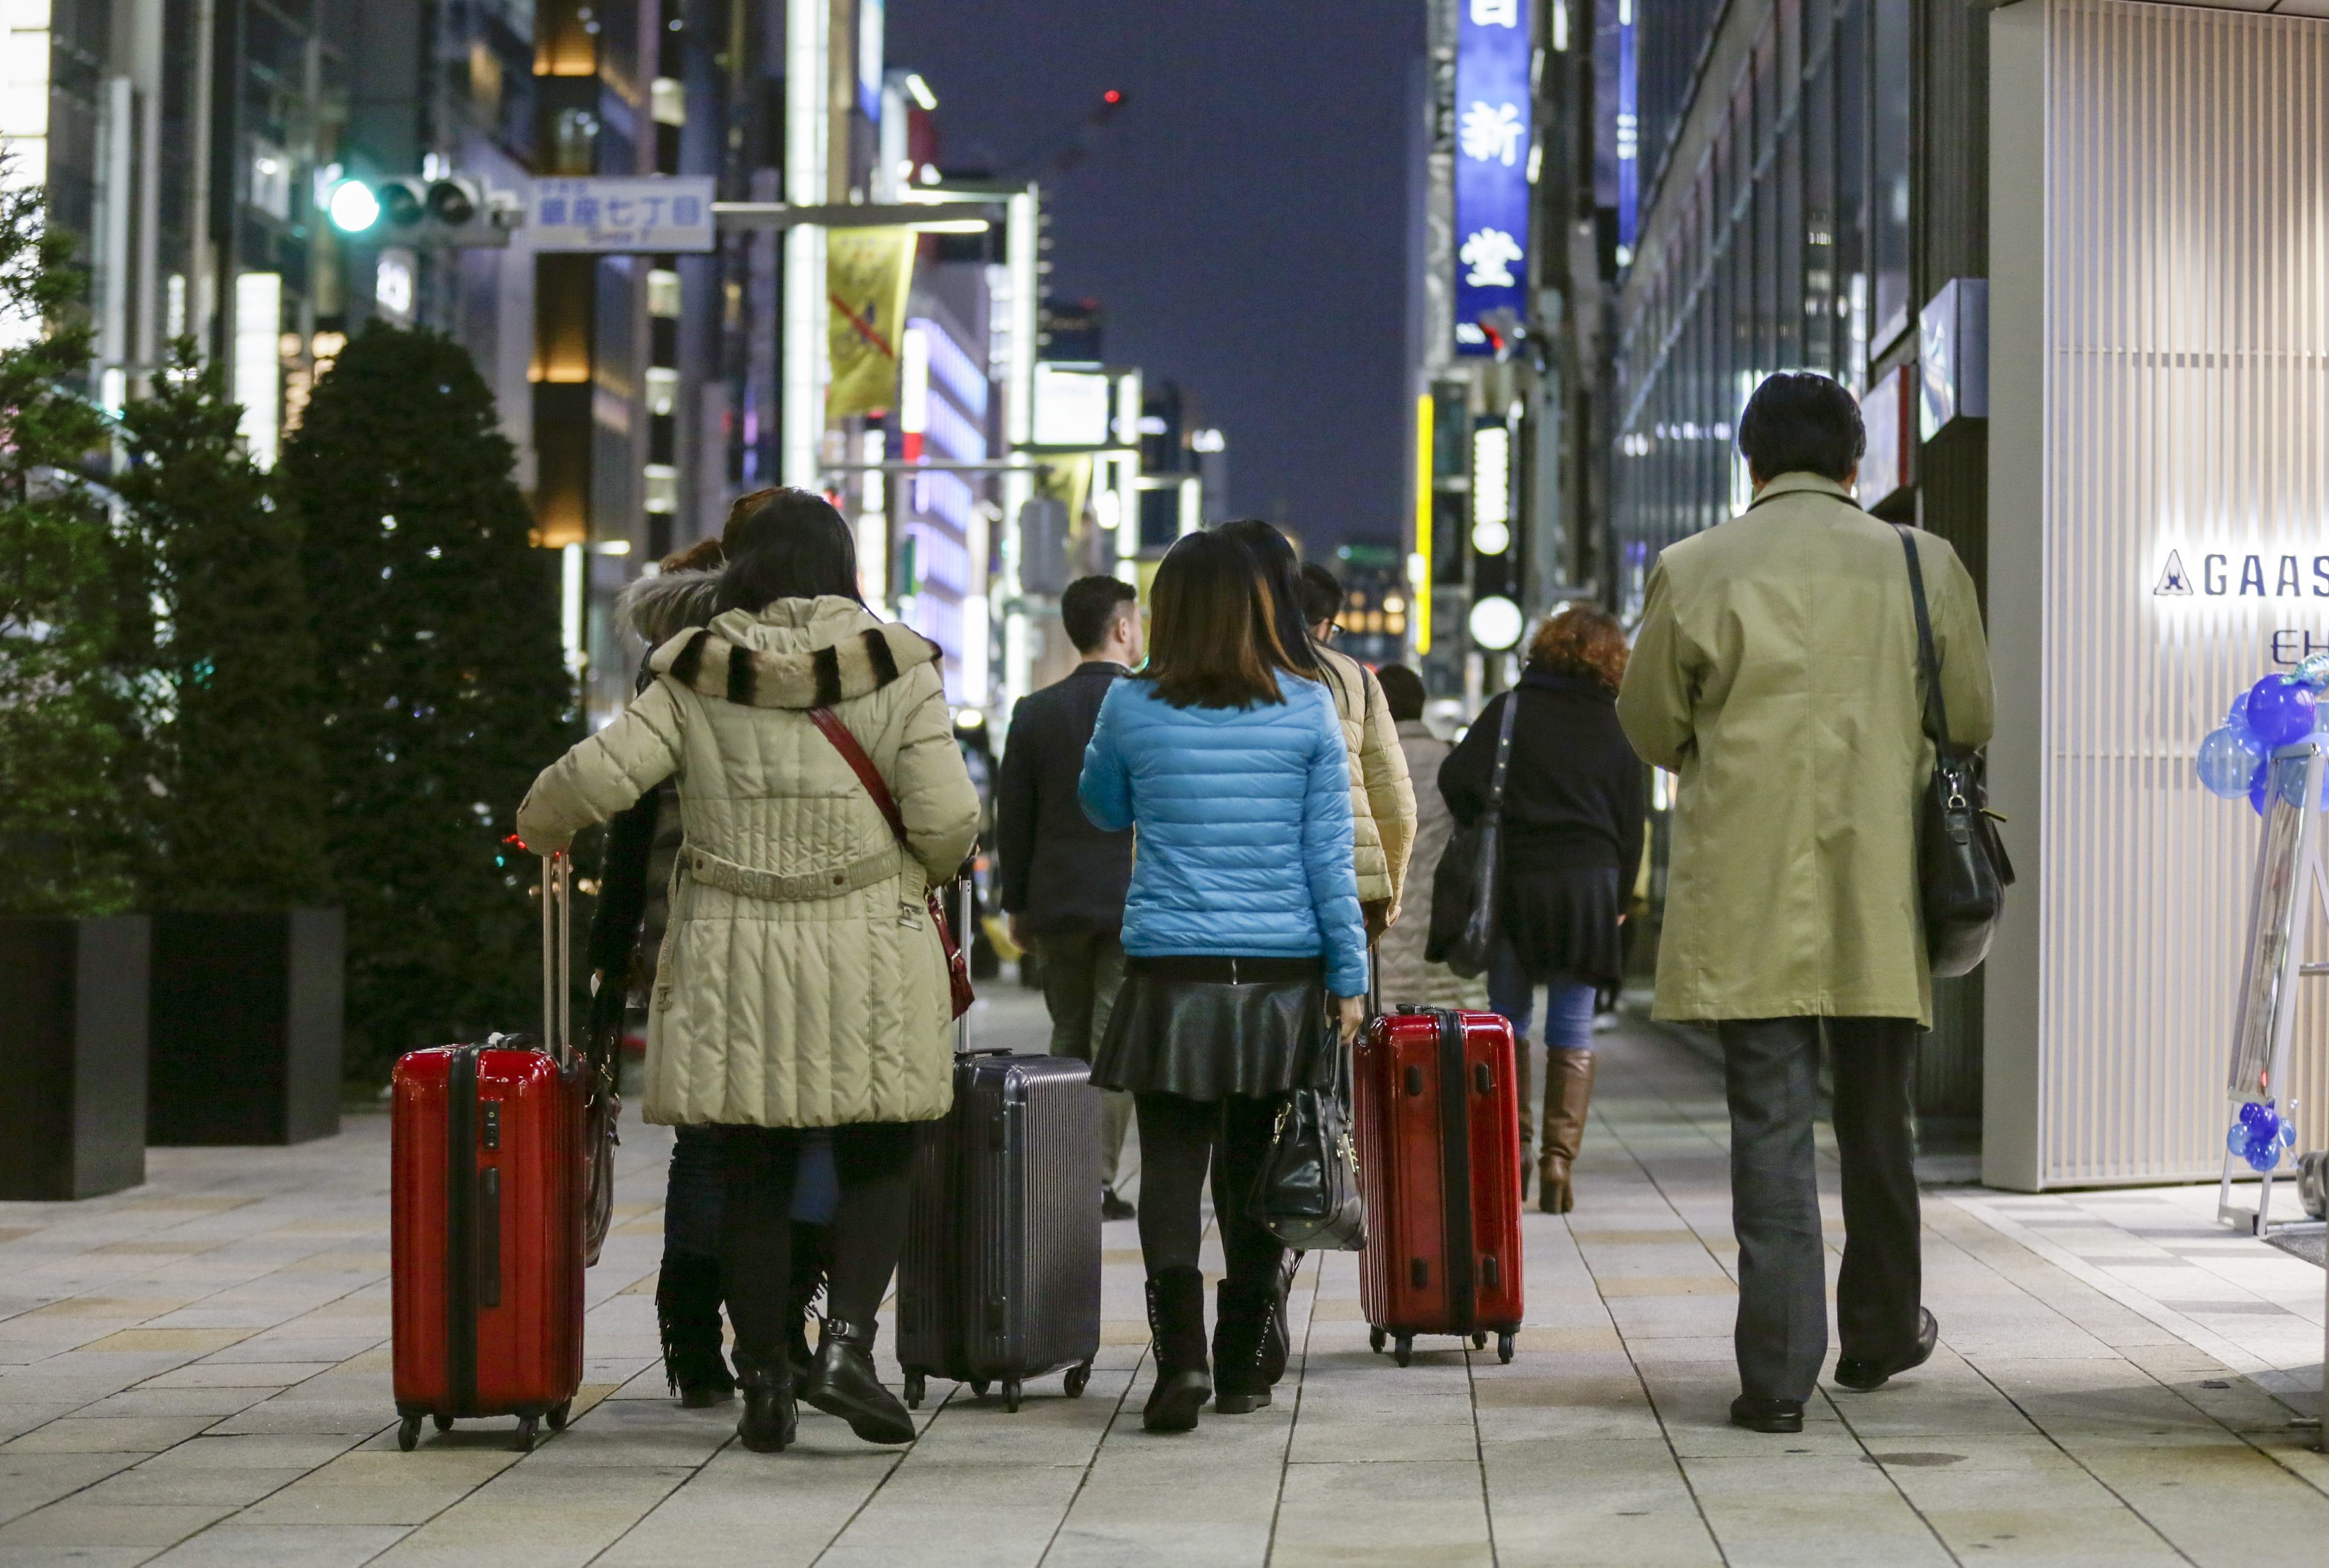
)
(1403, 1350)
(527, 1426)
(408, 1432)
(444, 1423)
(1375, 1338)
(558, 1412)
(915, 1389)
(1504, 1347)
(1077, 1376)
(1480, 1340)
(1011, 1394)
(979, 1387)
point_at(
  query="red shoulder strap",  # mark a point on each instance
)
(860, 764)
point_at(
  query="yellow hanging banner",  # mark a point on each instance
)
(868, 273)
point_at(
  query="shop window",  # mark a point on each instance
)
(1889, 195)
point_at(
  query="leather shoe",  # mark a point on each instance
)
(1759, 1414)
(1113, 1208)
(770, 1418)
(1866, 1373)
(842, 1382)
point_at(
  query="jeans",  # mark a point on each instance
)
(1771, 1070)
(1082, 971)
(1568, 1002)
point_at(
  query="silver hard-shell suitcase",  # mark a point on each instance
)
(1000, 1280)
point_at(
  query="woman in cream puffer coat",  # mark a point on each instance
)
(800, 984)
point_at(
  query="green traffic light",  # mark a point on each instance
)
(354, 207)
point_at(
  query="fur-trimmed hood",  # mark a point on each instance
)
(655, 609)
(798, 653)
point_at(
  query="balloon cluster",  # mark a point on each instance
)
(2260, 1135)
(2236, 759)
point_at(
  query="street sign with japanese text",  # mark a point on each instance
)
(661, 212)
(1493, 52)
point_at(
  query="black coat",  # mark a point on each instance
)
(1060, 874)
(1575, 801)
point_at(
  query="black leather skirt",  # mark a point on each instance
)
(1209, 1027)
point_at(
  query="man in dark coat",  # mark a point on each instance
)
(1063, 879)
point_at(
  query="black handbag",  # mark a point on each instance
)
(1467, 886)
(1307, 1192)
(1962, 869)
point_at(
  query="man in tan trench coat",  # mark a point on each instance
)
(1775, 671)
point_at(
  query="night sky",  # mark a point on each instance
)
(1242, 221)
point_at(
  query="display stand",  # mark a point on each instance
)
(2288, 893)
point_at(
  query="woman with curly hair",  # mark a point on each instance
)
(1574, 803)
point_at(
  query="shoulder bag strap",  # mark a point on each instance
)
(826, 719)
(1504, 755)
(1937, 708)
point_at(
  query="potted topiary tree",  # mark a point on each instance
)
(248, 974)
(72, 961)
(442, 688)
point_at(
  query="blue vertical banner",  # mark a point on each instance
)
(1493, 41)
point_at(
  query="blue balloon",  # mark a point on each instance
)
(2257, 783)
(2280, 711)
(2236, 719)
(2263, 1156)
(2226, 764)
(2288, 1135)
(2254, 1113)
(2237, 1140)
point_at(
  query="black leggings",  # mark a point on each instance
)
(1177, 1140)
(875, 1161)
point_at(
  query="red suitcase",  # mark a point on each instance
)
(1438, 1109)
(486, 1224)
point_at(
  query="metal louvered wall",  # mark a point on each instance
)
(2179, 404)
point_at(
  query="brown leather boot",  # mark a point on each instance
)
(1567, 1096)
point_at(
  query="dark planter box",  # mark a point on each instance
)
(247, 1017)
(72, 1040)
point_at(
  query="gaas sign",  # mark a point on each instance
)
(2230, 577)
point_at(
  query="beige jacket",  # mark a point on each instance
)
(1401, 970)
(1775, 671)
(1382, 800)
(800, 983)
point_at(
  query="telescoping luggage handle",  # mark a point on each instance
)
(557, 956)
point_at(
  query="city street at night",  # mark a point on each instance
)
(1284, 784)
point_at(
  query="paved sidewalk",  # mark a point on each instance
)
(197, 1373)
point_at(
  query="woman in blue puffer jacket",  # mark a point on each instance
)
(1241, 934)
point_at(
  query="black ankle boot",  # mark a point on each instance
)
(1240, 1327)
(842, 1382)
(770, 1418)
(1176, 1323)
(687, 1309)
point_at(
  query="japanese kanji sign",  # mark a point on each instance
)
(1493, 44)
(661, 212)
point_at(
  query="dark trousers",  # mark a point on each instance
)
(1770, 1069)
(695, 1193)
(1178, 1144)
(875, 1161)
(1082, 971)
